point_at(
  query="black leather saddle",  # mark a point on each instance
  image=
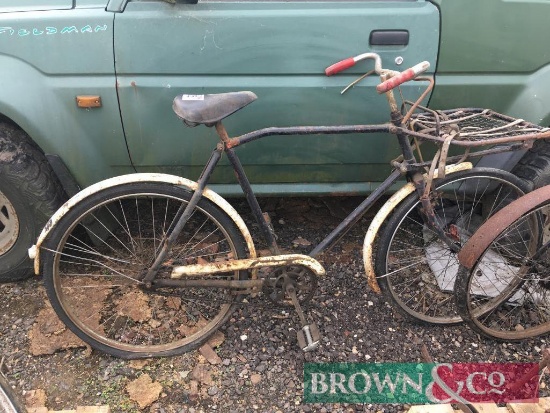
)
(208, 109)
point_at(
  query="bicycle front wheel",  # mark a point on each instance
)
(506, 294)
(99, 251)
(417, 271)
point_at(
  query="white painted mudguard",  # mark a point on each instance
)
(374, 227)
(34, 251)
(383, 214)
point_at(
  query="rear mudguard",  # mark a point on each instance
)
(34, 251)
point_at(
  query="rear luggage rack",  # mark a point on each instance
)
(473, 127)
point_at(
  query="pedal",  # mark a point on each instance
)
(309, 337)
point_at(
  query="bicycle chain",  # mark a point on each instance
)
(273, 286)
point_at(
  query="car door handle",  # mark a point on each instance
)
(389, 38)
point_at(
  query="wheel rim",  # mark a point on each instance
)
(9, 224)
(8, 401)
(123, 315)
(517, 304)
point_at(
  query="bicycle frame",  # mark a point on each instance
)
(228, 145)
(348, 222)
(265, 228)
(140, 252)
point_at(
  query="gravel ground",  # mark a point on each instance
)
(261, 366)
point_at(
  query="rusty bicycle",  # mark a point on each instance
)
(9, 403)
(503, 284)
(152, 264)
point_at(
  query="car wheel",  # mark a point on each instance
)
(534, 167)
(29, 194)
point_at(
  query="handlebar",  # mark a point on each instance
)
(338, 67)
(402, 77)
(394, 81)
(350, 61)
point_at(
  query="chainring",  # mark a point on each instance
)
(302, 278)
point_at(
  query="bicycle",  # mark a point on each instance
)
(151, 264)
(513, 303)
(8, 401)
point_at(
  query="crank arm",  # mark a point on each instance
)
(308, 336)
(248, 264)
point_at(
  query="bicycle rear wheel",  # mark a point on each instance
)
(417, 271)
(96, 255)
(506, 294)
(8, 401)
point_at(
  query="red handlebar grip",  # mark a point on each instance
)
(338, 67)
(395, 81)
(402, 77)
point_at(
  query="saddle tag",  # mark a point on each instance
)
(192, 97)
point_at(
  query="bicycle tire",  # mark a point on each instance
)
(97, 250)
(416, 271)
(8, 402)
(515, 303)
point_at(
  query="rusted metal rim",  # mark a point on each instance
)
(495, 225)
(9, 224)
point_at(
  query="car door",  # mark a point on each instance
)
(278, 50)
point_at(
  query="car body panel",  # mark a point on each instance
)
(279, 51)
(36, 5)
(39, 88)
(138, 55)
(495, 57)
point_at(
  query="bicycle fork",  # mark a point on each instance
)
(429, 216)
(416, 175)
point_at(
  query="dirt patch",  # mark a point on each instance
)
(49, 334)
(144, 391)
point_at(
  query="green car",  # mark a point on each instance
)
(86, 88)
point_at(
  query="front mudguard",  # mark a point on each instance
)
(382, 215)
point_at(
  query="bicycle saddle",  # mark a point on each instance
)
(195, 110)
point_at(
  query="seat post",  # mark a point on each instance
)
(222, 133)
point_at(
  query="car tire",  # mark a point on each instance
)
(29, 194)
(534, 166)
